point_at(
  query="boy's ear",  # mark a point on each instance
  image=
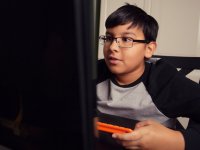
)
(150, 49)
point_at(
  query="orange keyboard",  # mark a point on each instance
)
(112, 128)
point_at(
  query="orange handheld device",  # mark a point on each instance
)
(112, 128)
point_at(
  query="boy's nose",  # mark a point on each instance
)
(114, 46)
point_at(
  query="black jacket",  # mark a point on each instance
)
(173, 94)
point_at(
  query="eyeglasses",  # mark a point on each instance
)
(123, 42)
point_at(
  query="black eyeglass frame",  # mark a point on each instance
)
(103, 38)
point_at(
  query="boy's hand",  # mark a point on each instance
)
(150, 135)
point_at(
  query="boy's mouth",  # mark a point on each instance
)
(113, 60)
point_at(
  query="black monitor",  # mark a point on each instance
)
(47, 74)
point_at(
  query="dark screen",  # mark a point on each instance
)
(47, 74)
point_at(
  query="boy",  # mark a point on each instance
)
(130, 85)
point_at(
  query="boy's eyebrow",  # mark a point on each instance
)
(123, 33)
(128, 33)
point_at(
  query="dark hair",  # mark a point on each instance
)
(130, 13)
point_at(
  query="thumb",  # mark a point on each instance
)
(143, 123)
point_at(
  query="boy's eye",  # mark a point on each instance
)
(108, 38)
(127, 39)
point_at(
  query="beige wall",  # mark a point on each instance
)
(179, 21)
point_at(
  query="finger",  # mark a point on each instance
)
(143, 123)
(127, 136)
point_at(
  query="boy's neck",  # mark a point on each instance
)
(128, 78)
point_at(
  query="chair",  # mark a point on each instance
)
(186, 64)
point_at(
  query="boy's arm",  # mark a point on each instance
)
(177, 96)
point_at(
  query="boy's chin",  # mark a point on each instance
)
(115, 70)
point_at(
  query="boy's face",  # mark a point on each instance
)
(127, 61)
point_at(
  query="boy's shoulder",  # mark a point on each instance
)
(161, 67)
(161, 74)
